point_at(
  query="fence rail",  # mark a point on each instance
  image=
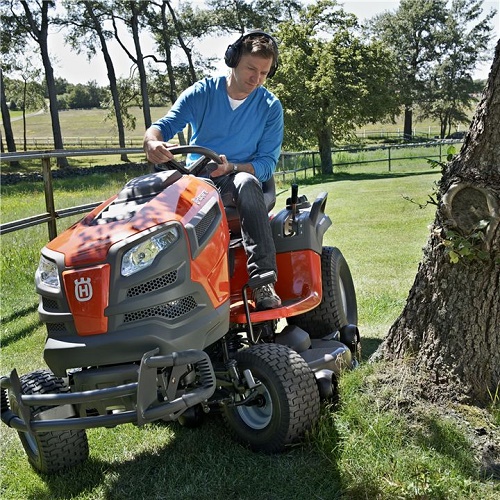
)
(290, 164)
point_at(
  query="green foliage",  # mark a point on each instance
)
(467, 247)
(330, 81)
(437, 46)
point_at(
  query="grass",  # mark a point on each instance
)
(368, 447)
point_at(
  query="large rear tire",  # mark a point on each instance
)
(288, 406)
(338, 306)
(49, 452)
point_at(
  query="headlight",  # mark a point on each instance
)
(47, 273)
(143, 254)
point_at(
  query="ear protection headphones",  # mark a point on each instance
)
(233, 52)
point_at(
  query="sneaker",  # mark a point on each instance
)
(265, 298)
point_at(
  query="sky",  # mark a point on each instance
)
(77, 69)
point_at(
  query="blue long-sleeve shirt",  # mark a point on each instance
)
(251, 133)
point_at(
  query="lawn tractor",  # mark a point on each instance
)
(150, 317)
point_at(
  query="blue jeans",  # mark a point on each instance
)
(243, 191)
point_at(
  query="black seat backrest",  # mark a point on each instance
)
(233, 219)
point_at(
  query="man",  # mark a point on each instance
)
(237, 117)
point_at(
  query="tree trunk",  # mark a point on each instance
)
(168, 60)
(112, 78)
(325, 150)
(146, 110)
(9, 136)
(40, 34)
(408, 124)
(450, 325)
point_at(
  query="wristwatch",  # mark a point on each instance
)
(235, 168)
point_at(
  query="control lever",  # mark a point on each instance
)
(289, 224)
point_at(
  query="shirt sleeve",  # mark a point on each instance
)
(179, 115)
(269, 147)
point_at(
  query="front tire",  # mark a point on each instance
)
(338, 306)
(288, 405)
(49, 452)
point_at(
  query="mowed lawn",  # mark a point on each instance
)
(381, 236)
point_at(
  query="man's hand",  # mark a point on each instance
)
(158, 151)
(223, 168)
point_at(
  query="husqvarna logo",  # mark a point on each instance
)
(83, 289)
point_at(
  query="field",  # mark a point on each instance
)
(93, 126)
(375, 444)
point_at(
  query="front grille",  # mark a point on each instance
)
(170, 310)
(152, 285)
(56, 328)
(50, 304)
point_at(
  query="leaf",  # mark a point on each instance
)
(454, 257)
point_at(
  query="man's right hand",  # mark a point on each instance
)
(157, 151)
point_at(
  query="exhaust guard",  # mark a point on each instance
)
(62, 416)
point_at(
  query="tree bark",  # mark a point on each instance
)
(9, 136)
(408, 124)
(111, 77)
(40, 34)
(450, 326)
(325, 150)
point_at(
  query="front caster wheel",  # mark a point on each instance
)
(286, 407)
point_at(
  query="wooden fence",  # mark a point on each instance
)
(289, 165)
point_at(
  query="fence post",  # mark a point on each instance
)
(49, 197)
(389, 157)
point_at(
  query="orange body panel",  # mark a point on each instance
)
(298, 285)
(87, 295)
(176, 205)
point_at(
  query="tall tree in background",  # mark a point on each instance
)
(87, 22)
(133, 15)
(413, 33)
(35, 23)
(329, 80)
(466, 36)
(31, 95)
(239, 16)
(450, 326)
(170, 29)
(9, 136)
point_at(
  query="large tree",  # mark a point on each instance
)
(448, 96)
(413, 33)
(133, 15)
(35, 23)
(450, 326)
(330, 81)
(86, 20)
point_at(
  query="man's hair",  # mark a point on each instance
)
(254, 42)
(260, 45)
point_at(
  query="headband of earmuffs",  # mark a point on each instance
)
(233, 52)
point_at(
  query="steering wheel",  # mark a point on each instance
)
(207, 155)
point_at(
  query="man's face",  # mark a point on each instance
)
(251, 72)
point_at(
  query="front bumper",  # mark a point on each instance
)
(62, 415)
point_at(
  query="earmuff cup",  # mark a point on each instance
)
(233, 52)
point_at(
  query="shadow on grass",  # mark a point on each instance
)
(369, 346)
(18, 333)
(203, 463)
(446, 439)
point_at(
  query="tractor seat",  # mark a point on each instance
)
(233, 218)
